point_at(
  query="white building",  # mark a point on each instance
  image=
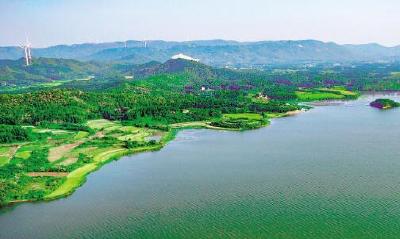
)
(185, 57)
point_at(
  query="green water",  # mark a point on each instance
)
(333, 172)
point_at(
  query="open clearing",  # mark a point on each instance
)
(57, 153)
(7, 153)
(314, 96)
(100, 124)
(325, 94)
(246, 116)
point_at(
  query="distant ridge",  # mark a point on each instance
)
(217, 52)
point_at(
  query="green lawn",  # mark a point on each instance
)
(341, 91)
(74, 180)
(335, 93)
(108, 154)
(4, 160)
(6, 154)
(81, 135)
(100, 124)
(23, 154)
(317, 95)
(247, 116)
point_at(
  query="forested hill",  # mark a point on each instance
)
(50, 72)
(216, 52)
(44, 70)
(15, 77)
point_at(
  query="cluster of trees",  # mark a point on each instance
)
(384, 104)
(130, 144)
(239, 123)
(66, 126)
(13, 133)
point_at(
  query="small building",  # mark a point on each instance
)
(184, 57)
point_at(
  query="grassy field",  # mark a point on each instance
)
(23, 154)
(73, 180)
(100, 124)
(7, 153)
(3, 160)
(325, 94)
(314, 96)
(81, 135)
(246, 116)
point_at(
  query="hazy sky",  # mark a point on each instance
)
(49, 22)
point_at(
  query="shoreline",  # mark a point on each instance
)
(78, 177)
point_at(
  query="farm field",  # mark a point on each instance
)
(57, 164)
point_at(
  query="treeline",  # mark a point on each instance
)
(54, 106)
(68, 109)
(13, 133)
(66, 126)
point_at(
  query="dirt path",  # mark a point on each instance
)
(47, 174)
(14, 150)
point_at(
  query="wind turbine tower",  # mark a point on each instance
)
(27, 53)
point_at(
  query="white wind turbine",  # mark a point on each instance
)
(27, 52)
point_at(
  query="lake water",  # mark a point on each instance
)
(332, 172)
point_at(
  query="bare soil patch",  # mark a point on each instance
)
(47, 174)
(57, 152)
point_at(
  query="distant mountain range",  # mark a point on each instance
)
(216, 52)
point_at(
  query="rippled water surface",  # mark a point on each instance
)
(333, 172)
